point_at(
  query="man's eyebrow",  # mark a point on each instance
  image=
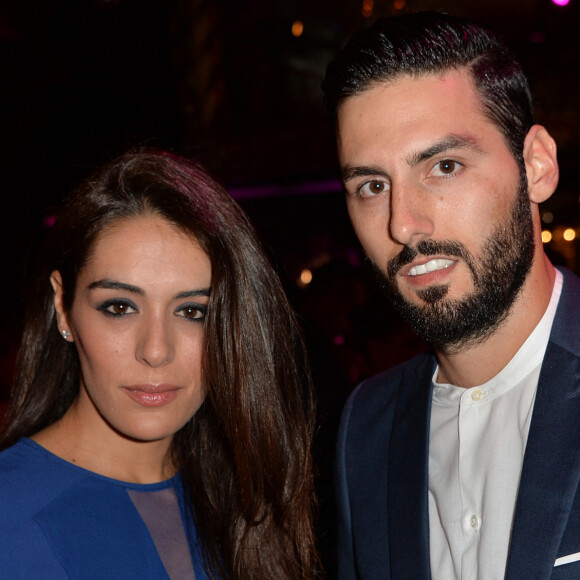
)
(351, 172)
(445, 144)
(115, 285)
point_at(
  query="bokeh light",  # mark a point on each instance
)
(546, 236)
(297, 28)
(547, 217)
(367, 8)
(569, 234)
(305, 277)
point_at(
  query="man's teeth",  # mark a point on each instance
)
(431, 266)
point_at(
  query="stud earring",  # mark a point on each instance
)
(66, 334)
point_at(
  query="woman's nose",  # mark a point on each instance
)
(155, 344)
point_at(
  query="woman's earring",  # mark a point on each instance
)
(66, 334)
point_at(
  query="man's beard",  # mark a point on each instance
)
(452, 325)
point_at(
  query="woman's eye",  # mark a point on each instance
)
(372, 188)
(446, 167)
(195, 312)
(116, 308)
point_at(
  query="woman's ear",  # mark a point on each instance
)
(61, 316)
(541, 164)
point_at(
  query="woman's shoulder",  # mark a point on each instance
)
(27, 459)
(30, 478)
(57, 516)
(20, 461)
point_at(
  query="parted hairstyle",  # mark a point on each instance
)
(245, 455)
(433, 43)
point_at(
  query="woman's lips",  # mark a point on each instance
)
(152, 395)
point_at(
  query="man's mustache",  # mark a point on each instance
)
(428, 248)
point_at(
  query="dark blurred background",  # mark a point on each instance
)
(236, 85)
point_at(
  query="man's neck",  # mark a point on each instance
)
(476, 365)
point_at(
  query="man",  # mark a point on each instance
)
(463, 463)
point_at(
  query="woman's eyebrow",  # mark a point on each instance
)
(115, 285)
(190, 293)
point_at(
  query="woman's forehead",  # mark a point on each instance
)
(145, 244)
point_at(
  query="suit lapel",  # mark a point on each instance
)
(551, 468)
(407, 500)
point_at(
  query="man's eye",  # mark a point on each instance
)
(446, 167)
(372, 188)
(194, 312)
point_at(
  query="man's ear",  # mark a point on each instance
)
(541, 164)
(61, 316)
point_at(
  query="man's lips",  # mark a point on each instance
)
(423, 272)
(433, 265)
(152, 395)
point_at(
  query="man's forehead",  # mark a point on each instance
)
(451, 80)
(446, 102)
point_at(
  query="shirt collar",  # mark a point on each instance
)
(528, 357)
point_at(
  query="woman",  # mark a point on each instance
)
(161, 418)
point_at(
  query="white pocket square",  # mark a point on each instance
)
(567, 559)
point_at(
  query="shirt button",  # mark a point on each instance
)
(476, 395)
(474, 522)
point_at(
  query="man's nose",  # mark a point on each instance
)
(411, 215)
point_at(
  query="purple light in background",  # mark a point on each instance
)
(538, 36)
(561, 2)
(48, 221)
(282, 189)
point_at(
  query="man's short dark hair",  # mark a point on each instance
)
(432, 43)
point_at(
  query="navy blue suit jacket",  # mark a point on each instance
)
(382, 458)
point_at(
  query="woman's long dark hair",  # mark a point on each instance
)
(245, 456)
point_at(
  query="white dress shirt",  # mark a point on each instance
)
(477, 442)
